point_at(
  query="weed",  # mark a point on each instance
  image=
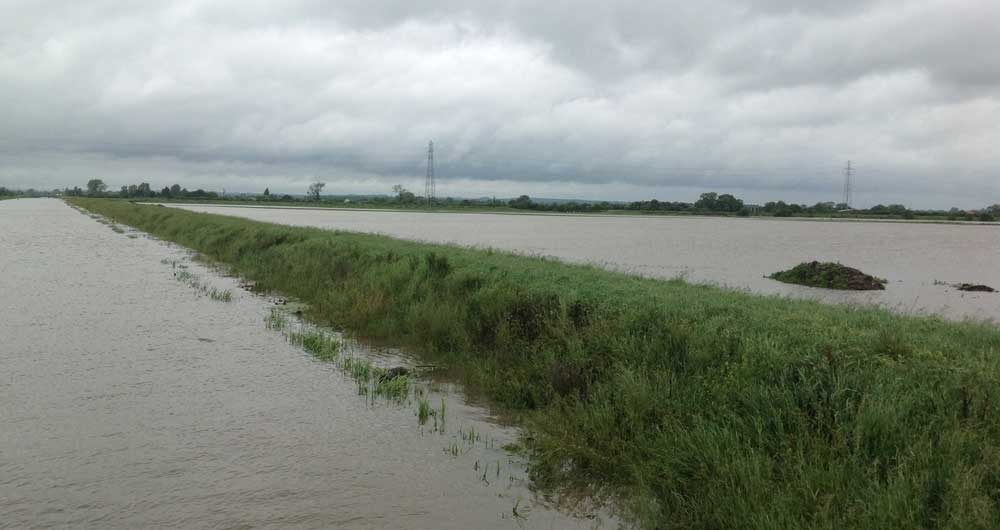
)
(423, 410)
(220, 295)
(320, 344)
(276, 320)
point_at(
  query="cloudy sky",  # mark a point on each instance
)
(593, 99)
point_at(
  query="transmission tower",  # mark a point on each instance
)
(429, 183)
(848, 177)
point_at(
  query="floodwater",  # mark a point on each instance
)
(129, 400)
(919, 260)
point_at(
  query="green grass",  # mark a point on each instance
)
(692, 406)
(322, 345)
(423, 410)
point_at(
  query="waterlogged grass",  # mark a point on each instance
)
(372, 380)
(320, 344)
(423, 410)
(694, 407)
(219, 295)
(276, 320)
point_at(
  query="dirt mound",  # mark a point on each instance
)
(829, 276)
(975, 288)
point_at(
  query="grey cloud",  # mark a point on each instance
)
(599, 98)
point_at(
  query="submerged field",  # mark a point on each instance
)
(692, 406)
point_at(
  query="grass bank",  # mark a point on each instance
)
(452, 207)
(697, 407)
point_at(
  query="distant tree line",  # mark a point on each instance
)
(525, 203)
(30, 192)
(709, 203)
(97, 188)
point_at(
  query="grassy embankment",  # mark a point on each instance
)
(340, 205)
(504, 209)
(699, 407)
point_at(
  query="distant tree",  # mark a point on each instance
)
(96, 187)
(404, 195)
(143, 190)
(315, 189)
(175, 190)
(165, 192)
(523, 202)
(728, 203)
(267, 192)
(707, 201)
(778, 209)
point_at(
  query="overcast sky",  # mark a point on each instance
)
(592, 99)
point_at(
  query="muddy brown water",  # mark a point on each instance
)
(921, 261)
(131, 400)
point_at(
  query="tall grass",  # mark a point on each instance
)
(695, 407)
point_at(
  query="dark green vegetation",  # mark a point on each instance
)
(709, 203)
(829, 276)
(696, 407)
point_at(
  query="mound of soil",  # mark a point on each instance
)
(976, 288)
(830, 276)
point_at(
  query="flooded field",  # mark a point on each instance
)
(920, 261)
(143, 390)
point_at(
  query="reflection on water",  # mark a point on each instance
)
(919, 260)
(134, 400)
